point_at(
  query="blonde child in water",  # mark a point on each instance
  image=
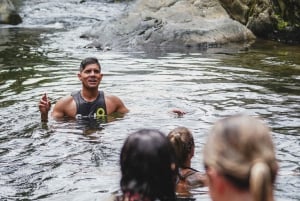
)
(182, 141)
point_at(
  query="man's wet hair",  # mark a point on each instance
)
(88, 61)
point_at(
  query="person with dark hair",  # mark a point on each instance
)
(89, 102)
(240, 160)
(148, 167)
(182, 141)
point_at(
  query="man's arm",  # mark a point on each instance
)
(64, 107)
(122, 108)
(115, 104)
(44, 107)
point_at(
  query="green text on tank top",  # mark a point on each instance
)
(95, 109)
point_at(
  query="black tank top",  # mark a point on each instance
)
(95, 109)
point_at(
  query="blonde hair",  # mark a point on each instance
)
(182, 141)
(241, 149)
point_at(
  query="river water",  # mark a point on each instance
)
(78, 160)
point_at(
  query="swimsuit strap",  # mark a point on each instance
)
(190, 169)
(189, 173)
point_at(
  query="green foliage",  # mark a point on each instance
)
(281, 23)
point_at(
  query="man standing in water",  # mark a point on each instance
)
(88, 102)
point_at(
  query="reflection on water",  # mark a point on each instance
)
(71, 160)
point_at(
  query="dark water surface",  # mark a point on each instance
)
(79, 161)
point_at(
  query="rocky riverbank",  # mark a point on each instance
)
(169, 24)
(197, 24)
(277, 20)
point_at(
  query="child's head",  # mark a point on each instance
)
(182, 141)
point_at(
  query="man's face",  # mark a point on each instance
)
(91, 76)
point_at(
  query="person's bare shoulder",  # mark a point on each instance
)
(65, 106)
(115, 104)
(64, 101)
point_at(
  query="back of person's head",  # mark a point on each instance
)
(88, 61)
(241, 149)
(182, 141)
(148, 166)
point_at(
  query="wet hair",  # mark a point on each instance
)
(88, 61)
(241, 149)
(147, 166)
(182, 141)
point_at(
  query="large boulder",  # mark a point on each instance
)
(169, 24)
(269, 19)
(8, 13)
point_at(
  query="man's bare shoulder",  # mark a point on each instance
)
(115, 104)
(112, 98)
(65, 100)
(65, 106)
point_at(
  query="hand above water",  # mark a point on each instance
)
(178, 111)
(44, 107)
